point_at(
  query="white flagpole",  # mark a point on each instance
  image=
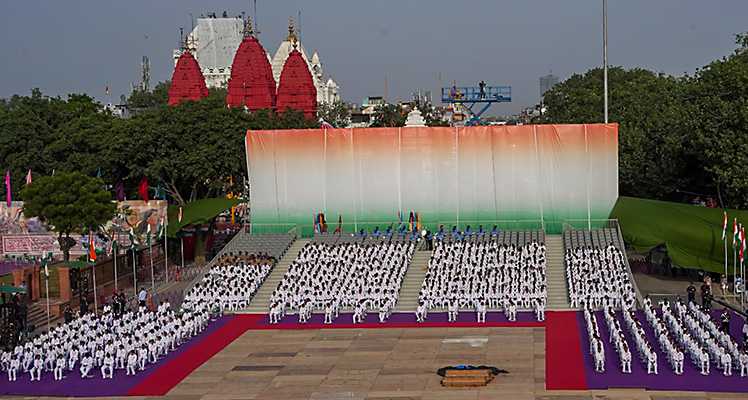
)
(150, 255)
(115, 251)
(134, 273)
(181, 244)
(46, 284)
(166, 246)
(96, 300)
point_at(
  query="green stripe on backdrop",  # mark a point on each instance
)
(692, 234)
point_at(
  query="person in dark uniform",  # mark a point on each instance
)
(725, 319)
(691, 290)
(706, 296)
(68, 314)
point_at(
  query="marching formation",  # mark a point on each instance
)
(483, 275)
(331, 277)
(103, 344)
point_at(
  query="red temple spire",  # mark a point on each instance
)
(251, 83)
(187, 82)
(296, 88)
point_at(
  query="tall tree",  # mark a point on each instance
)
(336, 114)
(70, 203)
(720, 93)
(655, 125)
(388, 115)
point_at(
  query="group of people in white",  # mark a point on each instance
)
(105, 343)
(231, 283)
(680, 330)
(354, 276)
(484, 275)
(598, 278)
(134, 339)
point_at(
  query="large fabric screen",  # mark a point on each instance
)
(512, 176)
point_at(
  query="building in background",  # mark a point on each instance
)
(547, 83)
(215, 40)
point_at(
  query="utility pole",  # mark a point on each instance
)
(605, 57)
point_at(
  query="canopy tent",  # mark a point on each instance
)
(197, 212)
(691, 234)
(11, 289)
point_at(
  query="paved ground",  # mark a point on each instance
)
(378, 364)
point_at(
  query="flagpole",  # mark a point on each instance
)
(181, 244)
(166, 246)
(134, 274)
(96, 301)
(150, 255)
(114, 250)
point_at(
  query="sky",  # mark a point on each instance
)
(77, 46)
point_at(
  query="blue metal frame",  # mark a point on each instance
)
(472, 95)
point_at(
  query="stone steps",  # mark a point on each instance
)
(261, 300)
(558, 292)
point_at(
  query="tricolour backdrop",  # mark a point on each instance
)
(517, 177)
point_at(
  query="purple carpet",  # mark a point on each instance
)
(691, 380)
(73, 386)
(397, 320)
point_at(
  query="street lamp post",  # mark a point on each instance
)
(605, 57)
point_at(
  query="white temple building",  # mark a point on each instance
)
(214, 42)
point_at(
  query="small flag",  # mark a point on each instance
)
(233, 215)
(91, 247)
(325, 125)
(724, 225)
(160, 230)
(131, 236)
(148, 234)
(113, 248)
(734, 232)
(106, 90)
(143, 189)
(8, 194)
(179, 215)
(742, 243)
(28, 177)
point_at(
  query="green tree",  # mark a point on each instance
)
(336, 114)
(143, 99)
(70, 203)
(720, 94)
(388, 115)
(655, 125)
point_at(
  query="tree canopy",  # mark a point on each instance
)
(193, 150)
(677, 134)
(69, 202)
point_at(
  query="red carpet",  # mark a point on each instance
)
(564, 361)
(170, 374)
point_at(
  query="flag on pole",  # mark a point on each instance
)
(131, 236)
(28, 177)
(143, 189)
(742, 243)
(724, 225)
(148, 234)
(339, 229)
(106, 90)
(8, 193)
(91, 247)
(734, 232)
(113, 248)
(160, 229)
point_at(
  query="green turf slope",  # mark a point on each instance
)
(692, 234)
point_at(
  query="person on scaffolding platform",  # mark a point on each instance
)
(482, 88)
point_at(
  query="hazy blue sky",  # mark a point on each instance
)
(64, 46)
